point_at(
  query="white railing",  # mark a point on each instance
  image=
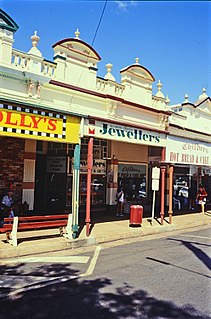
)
(20, 60)
(110, 87)
(25, 62)
(48, 68)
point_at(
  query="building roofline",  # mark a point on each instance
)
(108, 96)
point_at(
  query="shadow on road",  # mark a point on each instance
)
(80, 299)
(205, 259)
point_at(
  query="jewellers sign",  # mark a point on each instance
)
(185, 151)
(124, 133)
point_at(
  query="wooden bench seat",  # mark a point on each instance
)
(13, 225)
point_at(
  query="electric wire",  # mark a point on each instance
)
(95, 35)
(99, 23)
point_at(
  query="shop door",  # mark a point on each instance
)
(55, 192)
(40, 181)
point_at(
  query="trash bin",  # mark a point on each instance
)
(136, 213)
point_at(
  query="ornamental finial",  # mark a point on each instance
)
(77, 33)
(137, 60)
(35, 39)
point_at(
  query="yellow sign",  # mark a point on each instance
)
(40, 125)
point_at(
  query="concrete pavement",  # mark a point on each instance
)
(49, 240)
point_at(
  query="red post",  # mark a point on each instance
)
(88, 191)
(162, 193)
(170, 212)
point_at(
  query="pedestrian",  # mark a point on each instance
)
(201, 198)
(7, 205)
(120, 201)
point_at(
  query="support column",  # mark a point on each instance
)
(170, 212)
(162, 193)
(89, 179)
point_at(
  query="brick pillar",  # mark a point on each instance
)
(29, 172)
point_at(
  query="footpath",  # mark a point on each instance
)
(47, 241)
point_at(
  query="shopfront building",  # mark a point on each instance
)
(191, 163)
(127, 162)
(25, 132)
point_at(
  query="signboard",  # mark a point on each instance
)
(56, 165)
(185, 151)
(131, 171)
(155, 184)
(155, 172)
(99, 166)
(30, 123)
(206, 171)
(122, 133)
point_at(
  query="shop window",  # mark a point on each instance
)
(97, 190)
(133, 179)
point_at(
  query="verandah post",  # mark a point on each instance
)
(88, 192)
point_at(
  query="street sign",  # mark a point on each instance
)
(155, 184)
(77, 157)
(155, 172)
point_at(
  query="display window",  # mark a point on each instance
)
(184, 187)
(97, 190)
(133, 179)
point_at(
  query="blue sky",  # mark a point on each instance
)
(171, 39)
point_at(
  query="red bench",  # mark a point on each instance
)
(12, 225)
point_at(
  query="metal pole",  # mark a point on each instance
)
(153, 207)
(75, 189)
(88, 192)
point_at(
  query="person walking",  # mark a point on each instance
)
(201, 198)
(120, 202)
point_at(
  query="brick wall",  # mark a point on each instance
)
(11, 165)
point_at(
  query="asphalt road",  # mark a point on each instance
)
(166, 277)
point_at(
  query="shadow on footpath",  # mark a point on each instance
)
(82, 298)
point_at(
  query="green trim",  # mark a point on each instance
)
(45, 60)
(92, 68)
(59, 57)
(7, 101)
(8, 23)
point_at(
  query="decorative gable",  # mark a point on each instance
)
(76, 49)
(138, 71)
(6, 22)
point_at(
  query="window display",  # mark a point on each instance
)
(97, 190)
(132, 177)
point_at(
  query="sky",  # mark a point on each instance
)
(172, 39)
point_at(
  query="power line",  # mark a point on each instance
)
(101, 17)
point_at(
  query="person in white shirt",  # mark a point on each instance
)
(120, 202)
(7, 204)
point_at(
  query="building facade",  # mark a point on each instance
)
(49, 107)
